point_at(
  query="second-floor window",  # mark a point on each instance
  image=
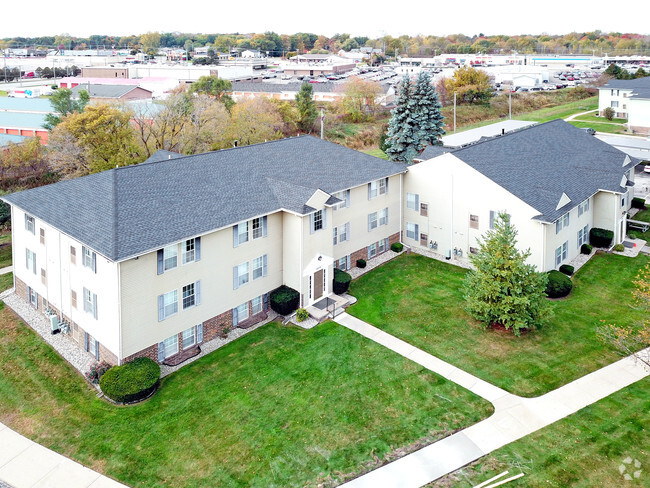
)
(259, 267)
(240, 275)
(473, 221)
(30, 260)
(341, 233)
(413, 201)
(170, 257)
(412, 231)
(191, 295)
(90, 302)
(562, 222)
(583, 207)
(317, 221)
(167, 304)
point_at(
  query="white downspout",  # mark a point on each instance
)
(119, 314)
(451, 222)
(302, 238)
(401, 184)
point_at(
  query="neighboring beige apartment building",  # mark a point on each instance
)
(554, 180)
(630, 99)
(157, 258)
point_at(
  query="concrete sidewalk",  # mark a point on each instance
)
(26, 464)
(514, 417)
(6, 270)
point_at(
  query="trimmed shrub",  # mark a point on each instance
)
(638, 203)
(619, 248)
(341, 281)
(600, 237)
(302, 314)
(567, 269)
(559, 285)
(132, 381)
(361, 263)
(586, 249)
(96, 371)
(396, 247)
(284, 300)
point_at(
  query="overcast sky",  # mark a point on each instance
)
(370, 18)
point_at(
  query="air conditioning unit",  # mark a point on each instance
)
(54, 323)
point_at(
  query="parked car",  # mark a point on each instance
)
(589, 131)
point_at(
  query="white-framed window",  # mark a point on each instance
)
(90, 302)
(30, 225)
(372, 250)
(256, 305)
(377, 187)
(189, 296)
(583, 207)
(318, 220)
(383, 216)
(170, 257)
(43, 276)
(189, 337)
(583, 236)
(412, 231)
(73, 298)
(562, 223)
(258, 229)
(42, 235)
(561, 253)
(30, 260)
(89, 258)
(241, 233)
(341, 233)
(372, 221)
(242, 312)
(473, 221)
(189, 251)
(171, 346)
(382, 246)
(167, 304)
(32, 297)
(614, 104)
(413, 201)
(623, 200)
(240, 275)
(259, 267)
(73, 255)
(342, 263)
(344, 196)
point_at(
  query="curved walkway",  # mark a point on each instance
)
(514, 417)
(26, 464)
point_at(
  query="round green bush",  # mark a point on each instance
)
(132, 381)
(341, 281)
(284, 300)
(619, 248)
(586, 249)
(361, 263)
(302, 314)
(559, 285)
(601, 237)
(567, 269)
(396, 247)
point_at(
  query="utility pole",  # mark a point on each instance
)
(454, 112)
(510, 103)
(322, 125)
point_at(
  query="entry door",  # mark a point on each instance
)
(318, 284)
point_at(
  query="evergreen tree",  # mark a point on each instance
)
(306, 107)
(429, 118)
(403, 137)
(503, 289)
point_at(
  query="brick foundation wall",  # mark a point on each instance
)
(363, 252)
(151, 352)
(216, 325)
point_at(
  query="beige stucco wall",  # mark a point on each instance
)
(568, 234)
(141, 285)
(62, 276)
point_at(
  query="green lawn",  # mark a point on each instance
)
(600, 127)
(644, 216)
(421, 301)
(6, 281)
(5, 250)
(561, 111)
(278, 407)
(377, 153)
(584, 449)
(593, 118)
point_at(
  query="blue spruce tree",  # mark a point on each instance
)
(429, 118)
(402, 137)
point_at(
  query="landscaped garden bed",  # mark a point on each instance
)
(421, 301)
(280, 406)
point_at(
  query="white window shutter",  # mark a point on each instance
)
(264, 226)
(417, 232)
(311, 223)
(199, 333)
(235, 277)
(347, 198)
(369, 220)
(324, 218)
(197, 292)
(197, 249)
(161, 352)
(369, 191)
(95, 305)
(264, 265)
(161, 308)
(347, 231)
(235, 235)
(235, 317)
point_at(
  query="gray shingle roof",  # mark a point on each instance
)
(540, 163)
(640, 86)
(128, 211)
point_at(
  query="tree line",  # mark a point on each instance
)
(590, 43)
